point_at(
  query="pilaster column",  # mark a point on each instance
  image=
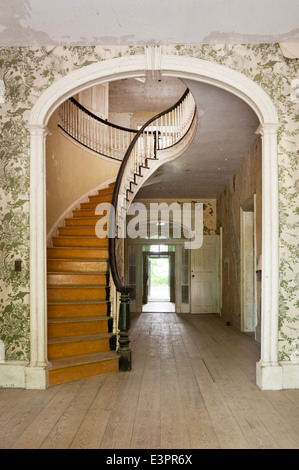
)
(270, 258)
(38, 260)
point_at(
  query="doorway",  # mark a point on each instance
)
(205, 285)
(249, 279)
(269, 374)
(158, 293)
(158, 278)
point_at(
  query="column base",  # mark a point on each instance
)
(12, 374)
(125, 360)
(18, 374)
(268, 377)
(283, 376)
(36, 377)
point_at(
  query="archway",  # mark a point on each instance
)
(269, 372)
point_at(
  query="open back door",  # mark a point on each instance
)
(205, 276)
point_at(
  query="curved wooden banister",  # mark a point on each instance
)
(92, 132)
(112, 256)
(97, 118)
(124, 309)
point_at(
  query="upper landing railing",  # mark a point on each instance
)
(94, 133)
(112, 141)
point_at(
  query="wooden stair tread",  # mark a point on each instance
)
(77, 273)
(78, 248)
(53, 286)
(66, 237)
(80, 231)
(71, 339)
(75, 319)
(105, 191)
(73, 279)
(74, 248)
(69, 260)
(96, 218)
(83, 359)
(79, 226)
(82, 302)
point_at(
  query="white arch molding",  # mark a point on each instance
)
(269, 371)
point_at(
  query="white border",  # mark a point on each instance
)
(269, 372)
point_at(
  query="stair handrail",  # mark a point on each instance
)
(98, 118)
(124, 311)
(114, 270)
(92, 132)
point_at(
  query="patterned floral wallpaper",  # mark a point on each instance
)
(26, 71)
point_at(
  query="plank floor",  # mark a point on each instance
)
(192, 386)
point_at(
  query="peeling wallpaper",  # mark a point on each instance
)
(27, 71)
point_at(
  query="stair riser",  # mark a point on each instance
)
(77, 310)
(76, 348)
(80, 372)
(89, 213)
(77, 279)
(59, 330)
(80, 242)
(84, 253)
(71, 294)
(92, 204)
(80, 231)
(106, 191)
(77, 266)
(99, 198)
(84, 221)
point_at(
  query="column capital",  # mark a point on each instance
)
(268, 128)
(37, 130)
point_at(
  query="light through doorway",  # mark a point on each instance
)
(158, 278)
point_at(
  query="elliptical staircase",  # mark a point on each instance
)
(81, 266)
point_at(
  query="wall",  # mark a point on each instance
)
(28, 71)
(71, 172)
(209, 211)
(246, 182)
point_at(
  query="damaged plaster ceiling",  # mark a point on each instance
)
(141, 22)
(226, 132)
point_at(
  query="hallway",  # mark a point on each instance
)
(192, 386)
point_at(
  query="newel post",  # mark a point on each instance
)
(124, 323)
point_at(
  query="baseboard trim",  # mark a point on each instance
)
(20, 374)
(283, 376)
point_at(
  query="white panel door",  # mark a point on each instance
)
(205, 276)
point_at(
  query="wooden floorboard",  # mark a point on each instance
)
(192, 386)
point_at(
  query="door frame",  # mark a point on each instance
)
(160, 254)
(269, 372)
(248, 207)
